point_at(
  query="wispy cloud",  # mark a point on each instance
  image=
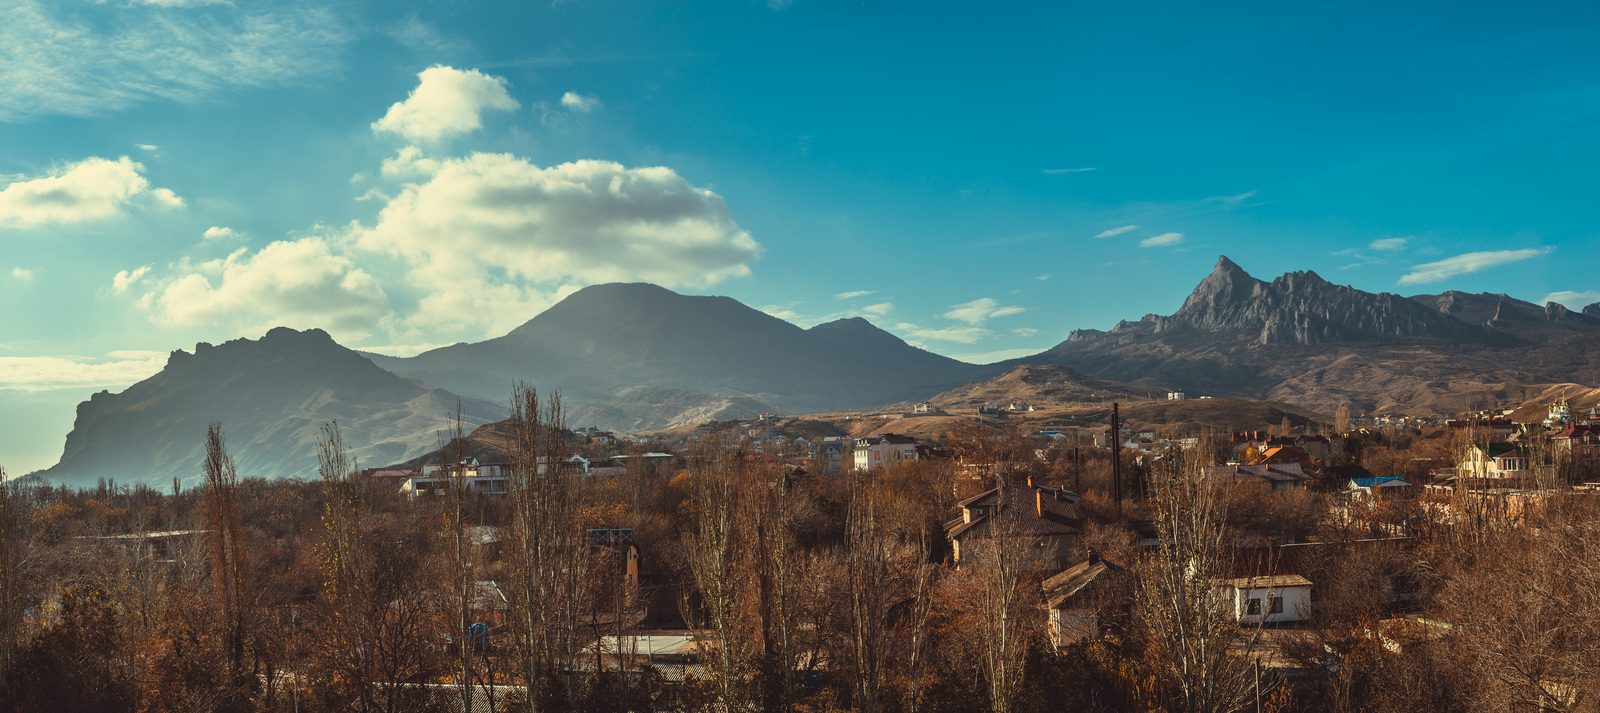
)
(60, 58)
(1390, 244)
(22, 274)
(855, 294)
(781, 312)
(1065, 170)
(980, 310)
(1162, 240)
(126, 278)
(962, 335)
(994, 356)
(1573, 300)
(878, 310)
(1043, 277)
(1468, 263)
(1233, 201)
(46, 373)
(579, 103)
(1116, 231)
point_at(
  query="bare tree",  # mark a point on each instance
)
(869, 574)
(230, 565)
(712, 552)
(1001, 563)
(1195, 639)
(549, 551)
(13, 558)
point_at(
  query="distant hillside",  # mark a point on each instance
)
(1303, 340)
(1042, 385)
(603, 342)
(271, 397)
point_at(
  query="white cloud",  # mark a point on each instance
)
(410, 163)
(22, 274)
(994, 356)
(1572, 300)
(878, 310)
(579, 103)
(45, 373)
(60, 58)
(298, 284)
(1066, 170)
(486, 228)
(1389, 244)
(91, 189)
(980, 310)
(1233, 201)
(147, 148)
(781, 312)
(855, 294)
(401, 350)
(963, 335)
(1162, 240)
(1117, 231)
(1467, 263)
(218, 232)
(446, 102)
(1025, 331)
(1043, 277)
(126, 278)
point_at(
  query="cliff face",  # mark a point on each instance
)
(271, 396)
(1303, 340)
(1303, 308)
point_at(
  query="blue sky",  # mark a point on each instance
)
(979, 179)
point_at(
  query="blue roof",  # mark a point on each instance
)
(1376, 481)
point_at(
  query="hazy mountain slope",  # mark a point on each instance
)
(1302, 340)
(271, 396)
(1043, 386)
(605, 340)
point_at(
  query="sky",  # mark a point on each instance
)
(979, 179)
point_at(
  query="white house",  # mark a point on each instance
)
(1285, 597)
(1365, 487)
(1175, 395)
(884, 451)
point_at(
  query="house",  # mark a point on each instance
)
(1367, 487)
(165, 546)
(1046, 517)
(1175, 395)
(1276, 477)
(884, 451)
(616, 548)
(1085, 599)
(830, 453)
(1496, 460)
(922, 407)
(1267, 600)
(477, 478)
(1019, 406)
(1284, 455)
(989, 409)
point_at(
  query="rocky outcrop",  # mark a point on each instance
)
(1296, 308)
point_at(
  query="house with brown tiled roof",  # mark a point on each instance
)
(1046, 517)
(1275, 476)
(1085, 599)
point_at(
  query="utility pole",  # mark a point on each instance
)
(1116, 457)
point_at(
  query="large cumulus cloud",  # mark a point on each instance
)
(491, 238)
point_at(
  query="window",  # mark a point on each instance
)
(1252, 607)
(1275, 605)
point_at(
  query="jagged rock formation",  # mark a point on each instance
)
(1303, 340)
(1301, 308)
(271, 396)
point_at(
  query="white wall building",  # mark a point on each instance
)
(884, 451)
(1285, 597)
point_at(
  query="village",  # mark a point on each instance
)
(1325, 560)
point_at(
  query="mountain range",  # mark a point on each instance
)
(637, 357)
(1303, 340)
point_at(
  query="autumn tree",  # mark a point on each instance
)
(230, 564)
(1195, 643)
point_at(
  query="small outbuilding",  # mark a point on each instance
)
(1270, 600)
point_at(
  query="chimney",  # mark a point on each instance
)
(1038, 501)
(1094, 557)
